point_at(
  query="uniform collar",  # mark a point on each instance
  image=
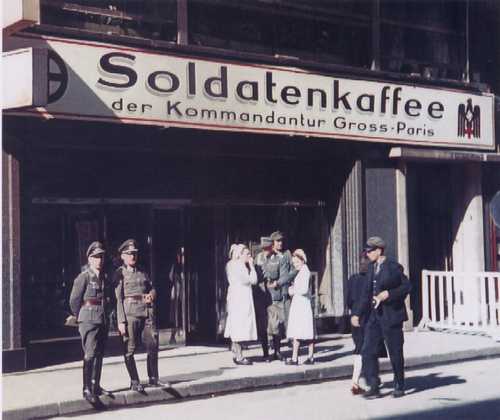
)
(129, 269)
(95, 272)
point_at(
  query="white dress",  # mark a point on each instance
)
(300, 320)
(240, 322)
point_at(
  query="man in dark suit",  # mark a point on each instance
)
(383, 300)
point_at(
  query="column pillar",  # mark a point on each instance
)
(14, 356)
(402, 232)
(468, 243)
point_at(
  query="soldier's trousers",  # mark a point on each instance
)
(140, 330)
(94, 338)
(275, 318)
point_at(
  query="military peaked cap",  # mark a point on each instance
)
(130, 245)
(95, 248)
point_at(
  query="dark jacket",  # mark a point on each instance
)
(355, 286)
(391, 312)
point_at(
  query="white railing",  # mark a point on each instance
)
(468, 301)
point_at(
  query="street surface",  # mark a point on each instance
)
(466, 390)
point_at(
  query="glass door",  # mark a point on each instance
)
(169, 274)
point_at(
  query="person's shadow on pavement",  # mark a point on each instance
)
(324, 354)
(414, 384)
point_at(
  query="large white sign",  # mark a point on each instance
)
(24, 78)
(106, 82)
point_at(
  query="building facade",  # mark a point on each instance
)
(190, 125)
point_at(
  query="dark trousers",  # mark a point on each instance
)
(375, 334)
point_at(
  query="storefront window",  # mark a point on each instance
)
(334, 32)
(45, 287)
(423, 38)
(152, 19)
(55, 254)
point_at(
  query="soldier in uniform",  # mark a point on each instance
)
(261, 296)
(278, 240)
(276, 269)
(90, 302)
(135, 296)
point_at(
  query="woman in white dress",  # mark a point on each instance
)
(300, 320)
(240, 324)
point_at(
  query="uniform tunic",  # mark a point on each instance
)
(276, 267)
(300, 322)
(131, 309)
(90, 301)
(241, 324)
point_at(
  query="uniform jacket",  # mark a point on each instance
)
(391, 312)
(277, 267)
(87, 286)
(132, 283)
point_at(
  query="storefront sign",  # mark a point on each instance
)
(24, 78)
(102, 82)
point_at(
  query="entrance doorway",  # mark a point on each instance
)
(169, 274)
(210, 232)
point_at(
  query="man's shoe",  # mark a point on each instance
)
(372, 393)
(243, 362)
(156, 382)
(398, 393)
(93, 400)
(308, 361)
(291, 362)
(136, 386)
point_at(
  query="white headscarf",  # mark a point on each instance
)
(235, 251)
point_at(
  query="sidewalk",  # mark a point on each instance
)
(197, 371)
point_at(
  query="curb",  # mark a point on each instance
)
(185, 390)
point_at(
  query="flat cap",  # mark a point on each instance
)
(374, 242)
(276, 236)
(265, 242)
(95, 248)
(130, 245)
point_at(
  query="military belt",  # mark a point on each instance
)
(135, 297)
(92, 302)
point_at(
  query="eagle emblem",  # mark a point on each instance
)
(469, 120)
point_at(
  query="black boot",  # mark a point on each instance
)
(154, 379)
(265, 350)
(277, 344)
(96, 378)
(87, 381)
(135, 384)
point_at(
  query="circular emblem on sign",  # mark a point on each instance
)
(57, 77)
(495, 208)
